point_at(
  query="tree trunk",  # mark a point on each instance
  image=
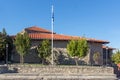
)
(76, 61)
(43, 61)
(21, 59)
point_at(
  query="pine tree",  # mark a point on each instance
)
(2, 46)
(4, 32)
(5, 39)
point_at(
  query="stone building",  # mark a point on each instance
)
(107, 53)
(38, 34)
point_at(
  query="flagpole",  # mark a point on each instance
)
(52, 25)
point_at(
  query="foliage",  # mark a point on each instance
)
(5, 39)
(4, 32)
(116, 57)
(71, 48)
(82, 47)
(2, 46)
(22, 44)
(96, 57)
(78, 48)
(2, 42)
(3, 36)
(44, 50)
(10, 46)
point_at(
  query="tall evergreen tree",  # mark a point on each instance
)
(5, 39)
(3, 42)
(2, 47)
(22, 44)
(4, 32)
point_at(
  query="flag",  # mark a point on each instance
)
(52, 13)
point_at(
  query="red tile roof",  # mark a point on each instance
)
(37, 29)
(40, 33)
(96, 40)
(60, 37)
(48, 36)
(105, 47)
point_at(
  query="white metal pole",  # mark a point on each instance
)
(52, 25)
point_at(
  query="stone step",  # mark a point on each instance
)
(54, 74)
(30, 76)
(55, 78)
(20, 74)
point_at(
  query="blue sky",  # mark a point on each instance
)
(98, 19)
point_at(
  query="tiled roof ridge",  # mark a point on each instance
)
(58, 34)
(64, 37)
(39, 29)
(54, 35)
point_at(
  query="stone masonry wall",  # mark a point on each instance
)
(95, 47)
(3, 69)
(63, 70)
(32, 57)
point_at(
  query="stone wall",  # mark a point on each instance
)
(60, 44)
(3, 69)
(39, 72)
(32, 57)
(95, 47)
(66, 70)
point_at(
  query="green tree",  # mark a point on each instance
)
(116, 57)
(78, 49)
(5, 39)
(2, 46)
(22, 44)
(10, 46)
(71, 48)
(3, 42)
(44, 50)
(4, 32)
